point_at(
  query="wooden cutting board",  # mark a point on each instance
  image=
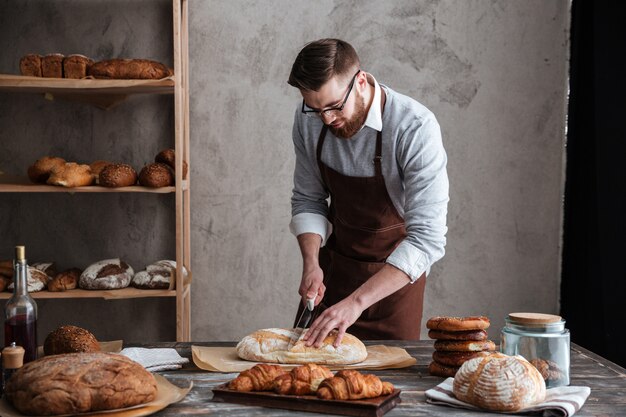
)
(360, 408)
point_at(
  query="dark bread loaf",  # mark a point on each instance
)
(76, 65)
(78, 383)
(109, 274)
(168, 157)
(66, 280)
(52, 66)
(156, 276)
(31, 65)
(129, 69)
(70, 339)
(117, 175)
(156, 175)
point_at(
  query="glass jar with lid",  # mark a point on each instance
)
(543, 340)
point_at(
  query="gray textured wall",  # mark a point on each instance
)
(494, 73)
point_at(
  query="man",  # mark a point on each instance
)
(379, 156)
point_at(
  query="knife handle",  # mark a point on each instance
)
(310, 303)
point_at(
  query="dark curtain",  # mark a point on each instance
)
(593, 289)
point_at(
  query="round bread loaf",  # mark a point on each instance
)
(499, 382)
(464, 345)
(156, 175)
(66, 280)
(157, 275)
(79, 383)
(117, 175)
(168, 157)
(70, 339)
(270, 345)
(459, 335)
(49, 268)
(36, 280)
(458, 323)
(71, 175)
(40, 171)
(438, 369)
(108, 274)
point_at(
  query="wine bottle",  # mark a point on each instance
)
(20, 312)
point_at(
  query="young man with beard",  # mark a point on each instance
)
(379, 156)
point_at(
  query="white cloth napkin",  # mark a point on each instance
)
(560, 401)
(158, 359)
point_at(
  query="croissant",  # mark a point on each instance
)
(302, 380)
(257, 378)
(352, 385)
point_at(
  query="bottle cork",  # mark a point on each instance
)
(20, 253)
(12, 357)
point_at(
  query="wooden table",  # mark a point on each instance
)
(606, 380)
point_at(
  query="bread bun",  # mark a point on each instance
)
(270, 345)
(168, 157)
(30, 65)
(71, 175)
(464, 345)
(117, 175)
(40, 171)
(52, 66)
(70, 339)
(437, 369)
(458, 323)
(108, 274)
(156, 175)
(458, 335)
(76, 66)
(66, 280)
(79, 383)
(96, 169)
(499, 382)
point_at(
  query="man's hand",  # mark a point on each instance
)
(339, 316)
(312, 284)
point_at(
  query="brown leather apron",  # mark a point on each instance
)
(366, 229)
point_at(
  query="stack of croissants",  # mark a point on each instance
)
(311, 379)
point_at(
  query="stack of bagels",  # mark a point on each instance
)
(457, 340)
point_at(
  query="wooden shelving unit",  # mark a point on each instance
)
(104, 94)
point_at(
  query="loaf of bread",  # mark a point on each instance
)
(71, 175)
(117, 175)
(70, 339)
(66, 280)
(30, 65)
(301, 380)
(271, 345)
(157, 275)
(48, 267)
(40, 171)
(108, 274)
(129, 69)
(156, 175)
(52, 66)
(76, 66)
(36, 280)
(499, 382)
(79, 383)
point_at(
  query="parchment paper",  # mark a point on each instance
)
(225, 359)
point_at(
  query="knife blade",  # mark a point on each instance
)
(303, 321)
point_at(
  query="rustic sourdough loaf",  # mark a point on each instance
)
(270, 345)
(79, 383)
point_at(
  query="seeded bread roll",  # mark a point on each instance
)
(30, 65)
(156, 175)
(41, 170)
(117, 175)
(79, 383)
(108, 274)
(71, 175)
(271, 345)
(168, 157)
(76, 65)
(52, 66)
(70, 339)
(129, 69)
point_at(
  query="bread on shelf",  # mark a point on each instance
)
(52, 66)
(129, 69)
(30, 65)
(108, 274)
(76, 66)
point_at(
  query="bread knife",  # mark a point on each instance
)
(303, 321)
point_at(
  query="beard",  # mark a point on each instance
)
(352, 126)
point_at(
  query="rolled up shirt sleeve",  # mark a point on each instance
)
(422, 162)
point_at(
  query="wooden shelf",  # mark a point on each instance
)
(107, 295)
(15, 184)
(24, 84)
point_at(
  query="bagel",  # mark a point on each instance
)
(464, 345)
(459, 335)
(457, 323)
(437, 369)
(457, 358)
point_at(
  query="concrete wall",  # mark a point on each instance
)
(494, 73)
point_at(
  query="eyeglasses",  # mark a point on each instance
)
(332, 111)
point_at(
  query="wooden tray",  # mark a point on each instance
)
(360, 408)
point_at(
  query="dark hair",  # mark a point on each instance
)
(321, 60)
